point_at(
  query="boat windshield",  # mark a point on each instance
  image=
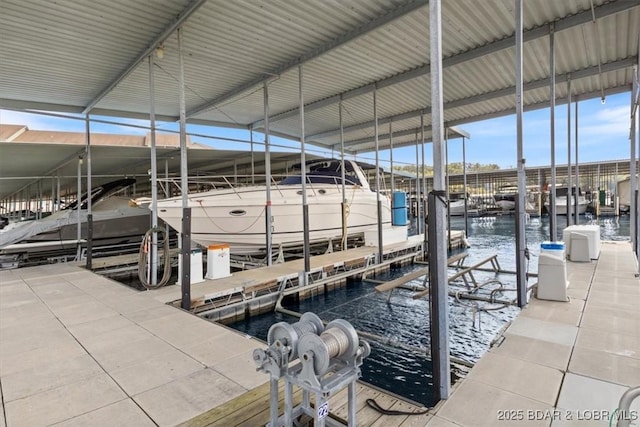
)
(325, 172)
(318, 179)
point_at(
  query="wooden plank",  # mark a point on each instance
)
(261, 286)
(368, 416)
(261, 418)
(250, 409)
(362, 394)
(240, 403)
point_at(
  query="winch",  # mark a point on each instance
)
(328, 360)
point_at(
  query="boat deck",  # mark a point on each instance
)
(79, 349)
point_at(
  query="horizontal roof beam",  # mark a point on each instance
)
(506, 43)
(345, 38)
(177, 22)
(532, 85)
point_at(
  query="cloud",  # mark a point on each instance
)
(607, 122)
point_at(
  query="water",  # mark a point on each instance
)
(399, 363)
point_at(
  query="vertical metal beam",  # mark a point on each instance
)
(185, 254)
(439, 303)
(267, 173)
(464, 185)
(447, 195)
(343, 244)
(393, 187)
(79, 236)
(636, 138)
(53, 196)
(423, 201)
(576, 218)
(58, 192)
(89, 202)
(419, 222)
(253, 160)
(303, 178)
(553, 228)
(521, 246)
(154, 173)
(569, 196)
(378, 187)
(633, 209)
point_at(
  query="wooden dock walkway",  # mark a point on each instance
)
(252, 409)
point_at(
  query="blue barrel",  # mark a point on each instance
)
(399, 211)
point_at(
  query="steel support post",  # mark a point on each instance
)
(343, 243)
(154, 174)
(185, 237)
(576, 197)
(378, 187)
(423, 201)
(633, 209)
(393, 184)
(637, 206)
(569, 190)
(439, 303)
(553, 228)
(185, 255)
(446, 174)
(464, 186)
(79, 231)
(303, 176)
(521, 247)
(419, 221)
(267, 175)
(253, 161)
(89, 201)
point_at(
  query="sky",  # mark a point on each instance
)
(603, 132)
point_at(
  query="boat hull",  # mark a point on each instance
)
(561, 206)
(238, 217)
(114, 222)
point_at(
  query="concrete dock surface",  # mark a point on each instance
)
(79, 349)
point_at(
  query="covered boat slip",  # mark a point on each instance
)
(329, 74)
(80, 349)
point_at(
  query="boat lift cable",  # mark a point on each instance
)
(143, 259)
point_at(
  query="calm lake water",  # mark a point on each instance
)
(399, 362)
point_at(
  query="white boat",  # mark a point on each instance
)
(506, 197)
(561, 201)
(236, 215)
(115, 221)
(457, 205)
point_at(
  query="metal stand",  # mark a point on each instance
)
(329, 360)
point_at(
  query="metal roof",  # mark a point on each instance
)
(90, 57)
(31, 157)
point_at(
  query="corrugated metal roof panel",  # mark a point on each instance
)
(67, 52)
